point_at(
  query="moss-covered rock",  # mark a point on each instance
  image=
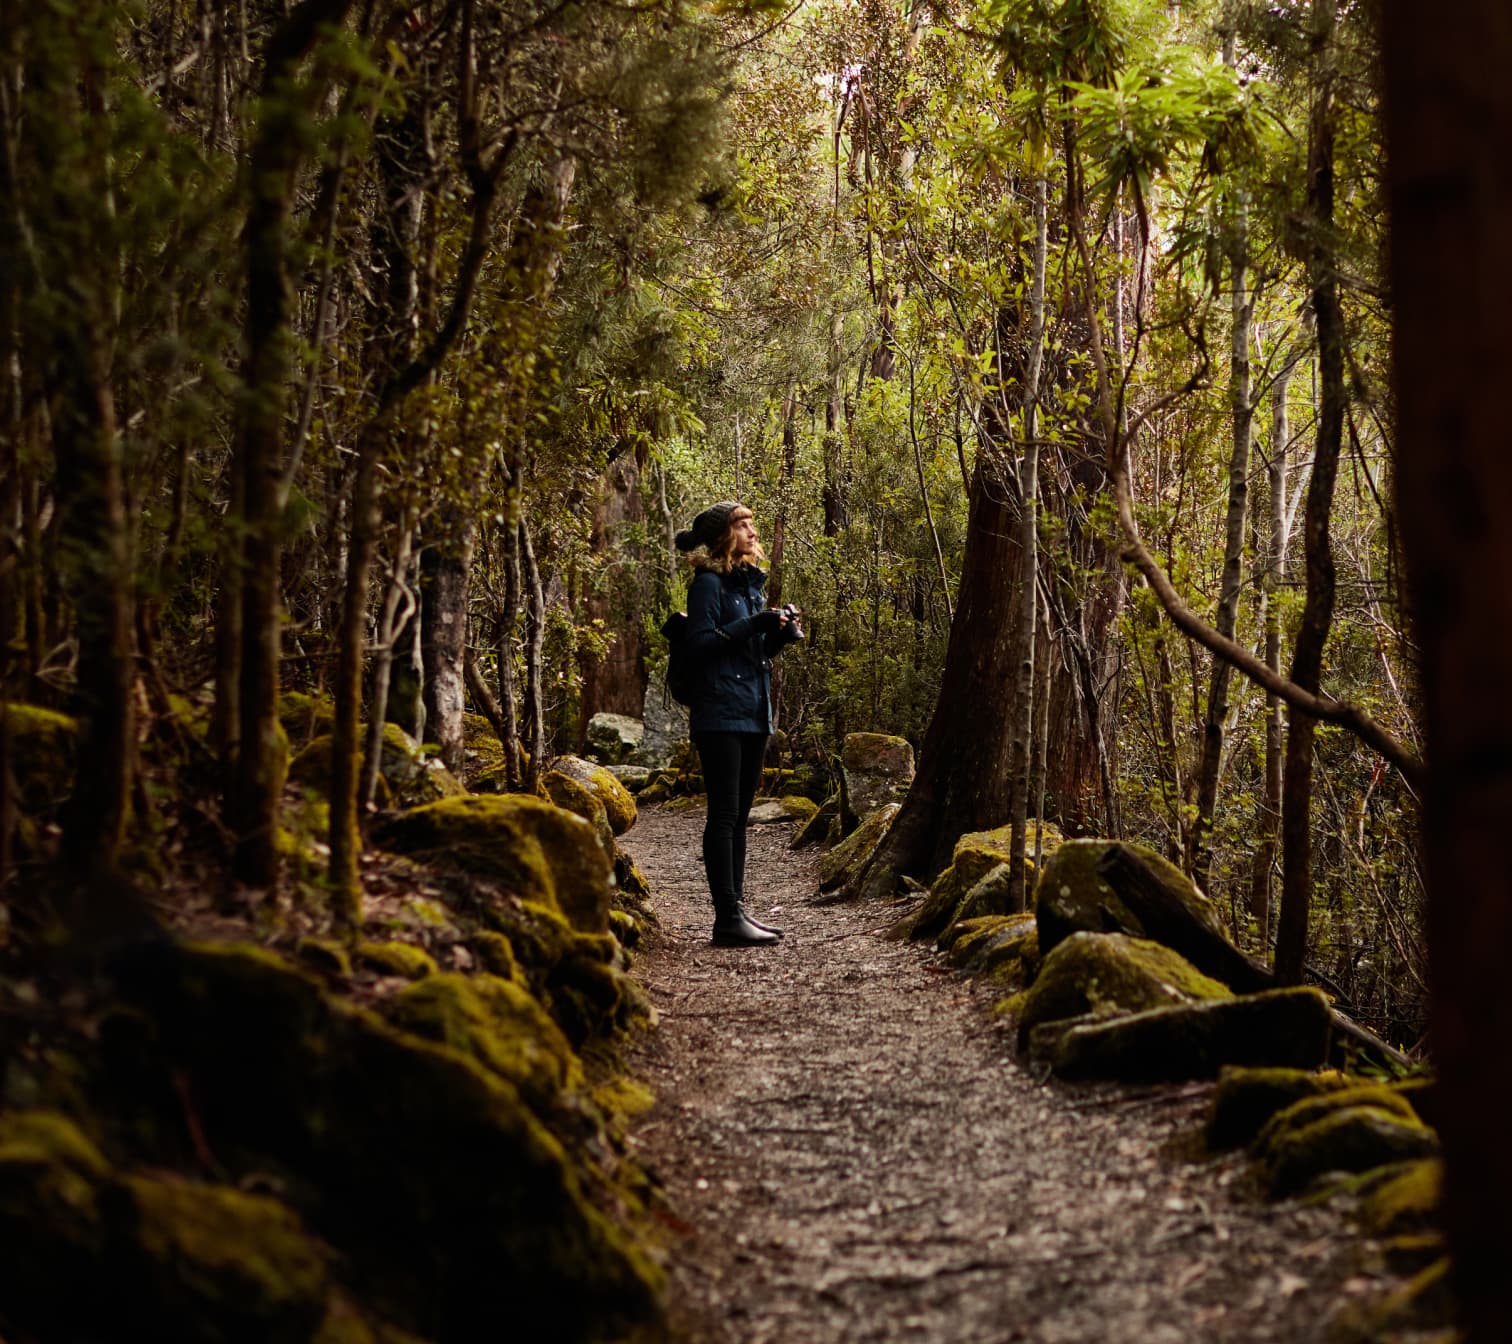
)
(1286, 1028)
(495, 953)
(971, 885)
(410, 776)
(88, 1249)
(875, 769)
(617, 802)
(1307, 1110)
(612, 737)
(326, 955)
(577, 798)
(1245, 1100)
(1110, 974)
(1341, 1139)
(527, 846)
(428, 1169)
(395, 958)
(482, 751)
(499, 1024)
(1072, 896)
(305, 717)
(1410, 1199)
(789, 807)
(853, 853)
(817, 826)
(44, 747)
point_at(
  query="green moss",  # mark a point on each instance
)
(497, 1023)
(495, 953)
(305, 717)
(427, 1168)
(1246, 1099)
(577, 798)
(325, 955)
(226, 1261)
(406, 773)
(1352, 1139)
(43, 748)
(851, 855)
(614, 797)
(1071, 896)
(798, 807)
(1408, 1200)
(624, 1097)
(1110, 974)
(973, 862)
(395, 958)
(528, 847)
(625, 927)
(1306, 1110)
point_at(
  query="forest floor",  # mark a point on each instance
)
(852, 1152)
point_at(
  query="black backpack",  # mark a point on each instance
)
(682, 666)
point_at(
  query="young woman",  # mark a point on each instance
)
(733, 637)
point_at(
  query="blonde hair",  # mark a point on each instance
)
(720, 557)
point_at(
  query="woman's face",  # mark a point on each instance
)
(743, 530)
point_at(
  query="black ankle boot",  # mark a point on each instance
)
(733, 929)
(751, 919)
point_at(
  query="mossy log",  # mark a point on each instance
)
(1280, 1027)
(851, 855)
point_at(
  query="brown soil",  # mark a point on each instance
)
(851, 1152)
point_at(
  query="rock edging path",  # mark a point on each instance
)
(851, 1152)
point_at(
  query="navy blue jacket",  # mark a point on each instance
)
(734, 661)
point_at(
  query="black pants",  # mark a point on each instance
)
(732, 774)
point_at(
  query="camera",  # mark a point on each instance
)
(792, 613)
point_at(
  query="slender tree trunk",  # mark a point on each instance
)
(1028, 596)
(535, 637)
(1317, 610)
(508, 623)
(1271, 564)
(1449, 121)
(446, 577)
(277, 155)
(1199, 844)
(390, 627)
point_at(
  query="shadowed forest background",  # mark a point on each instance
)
(361, 358)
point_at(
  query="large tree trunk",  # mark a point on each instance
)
(1449, 108)
(1317, 609)
(962, 782)
(616, 683)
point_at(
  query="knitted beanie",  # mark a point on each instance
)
(708, 527)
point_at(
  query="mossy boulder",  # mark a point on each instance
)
(972, 885)
(1286, 1028)
(1245, 1100)
(88, 1248)
(577, 798)
(817, 826)
(328, 956)
(613, 737)
(1072, 896)
(852, 854)
(1339, 1138)
(44, 748)
(1410, 1199)
(876, 769)
(496, 954)
(481, 749)
(305, 716)
(633, 777)
(395, 958)
(1110, 974)
(411, 777)
(500, 1025)
(526, 846)
(428, 1170)
(617, 802)
(789, 807)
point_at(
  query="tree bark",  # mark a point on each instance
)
(1449, 121)
(1317, 609)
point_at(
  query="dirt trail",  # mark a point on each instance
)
(859, 1157)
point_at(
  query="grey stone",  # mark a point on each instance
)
(612, 737)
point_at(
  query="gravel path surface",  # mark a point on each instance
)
(851, 1152)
